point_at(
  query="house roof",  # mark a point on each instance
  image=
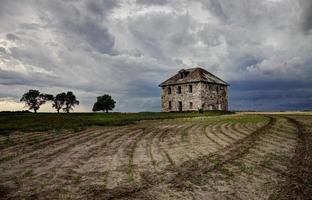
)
(193, 75)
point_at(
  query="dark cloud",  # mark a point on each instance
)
(96, 36)
(11, 36)
(306, 15)
(101, 7)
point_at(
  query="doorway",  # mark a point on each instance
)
(180, 106)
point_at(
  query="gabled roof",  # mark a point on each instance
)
(193, 75)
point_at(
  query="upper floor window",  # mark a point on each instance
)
(179, 90)
(169, 90)
(190, 88)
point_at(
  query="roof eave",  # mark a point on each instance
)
(162, 84)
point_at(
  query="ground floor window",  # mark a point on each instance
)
(169, 106)
(191, 105)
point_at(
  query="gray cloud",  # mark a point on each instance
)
(152, 2)
(126, 48)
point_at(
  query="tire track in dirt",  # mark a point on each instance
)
(253, 175)
(217, 135)
(237, 149)
(76, 156)
(160, 147)
(12, 140)
(118, 166)
(176, 179)
(298, 184)
(110, 144)
(209, 134)
(48, 163)
(227, 130)
(149, 151)
(186, 146)
(241, 128)
(56, 142)
(23, 148)
(199, 143)
(131, 153)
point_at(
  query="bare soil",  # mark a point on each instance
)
(226, 157)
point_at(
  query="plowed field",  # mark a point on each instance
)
(239, 156)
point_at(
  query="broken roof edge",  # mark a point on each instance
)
(162, 85)
(191, 70)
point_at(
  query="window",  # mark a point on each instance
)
(190, 88)
(169, 107)
(191, 105)
(169, 90)
(179, 90)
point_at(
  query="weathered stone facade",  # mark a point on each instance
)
(192, 95)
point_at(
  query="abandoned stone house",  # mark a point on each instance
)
(191, 89)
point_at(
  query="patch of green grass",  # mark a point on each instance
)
(28, 173)
(7, 141)
(243, 167)
(27, 122)
(76, 179)
(34, 140)
(227, 172)
(270, 158)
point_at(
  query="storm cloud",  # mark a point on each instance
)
(126, 48)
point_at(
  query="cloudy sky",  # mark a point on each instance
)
(126, 48)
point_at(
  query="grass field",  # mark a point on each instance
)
(48, 121)
(237, 156)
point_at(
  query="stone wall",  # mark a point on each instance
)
(203, 95)
(214, 97)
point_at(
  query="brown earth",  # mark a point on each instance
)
(227, 157)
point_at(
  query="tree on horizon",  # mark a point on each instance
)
(70, 101)
(104, 103)
(34, 99)
(59, 101)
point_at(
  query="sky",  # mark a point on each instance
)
(126, 48)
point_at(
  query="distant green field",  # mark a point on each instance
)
(48, 121)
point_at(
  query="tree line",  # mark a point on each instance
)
(65, 101)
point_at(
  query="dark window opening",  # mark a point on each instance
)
(169, 90)
(169, 107)
(190, 88)
(191, 105)
(179, 89)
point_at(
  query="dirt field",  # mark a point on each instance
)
(226, 157)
